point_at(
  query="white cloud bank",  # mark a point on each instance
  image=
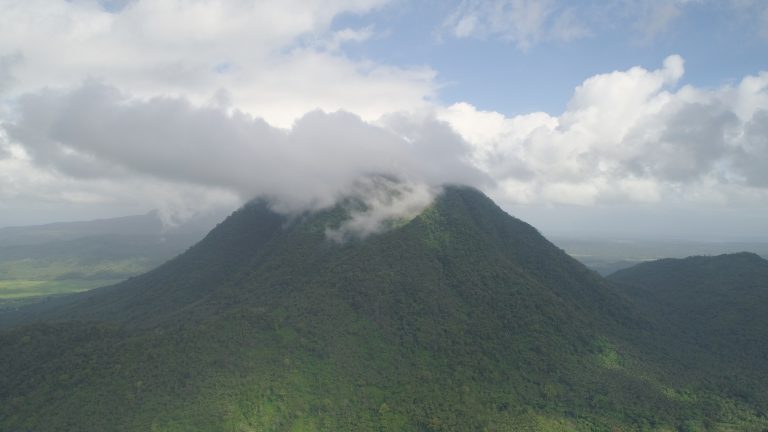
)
(628, 136)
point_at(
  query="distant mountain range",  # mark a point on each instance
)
(138, 225)
(460, 319)
(72, 256)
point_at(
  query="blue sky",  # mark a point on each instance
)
(720, 44)
(614, 118)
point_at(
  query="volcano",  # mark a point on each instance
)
(461, 318)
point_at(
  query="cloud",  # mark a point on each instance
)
(527, 23)
(654, 17)
(752, 156)
(215, 98)
(184, 104)
(568, 27)
(625, 137)
(30, 193)
(98, 132)
(678, 146)
(523, 22)
(753, 13)
(7, 62)
(377, 203)
(346, 36)
(628, 136)
(273, 59)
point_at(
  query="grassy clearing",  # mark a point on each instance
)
(15, 289)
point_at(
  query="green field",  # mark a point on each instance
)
(17, 289)
(75, 269)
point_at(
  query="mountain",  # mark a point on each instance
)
(718, 299)
(716, 305)
(607, 256)
(462, 318)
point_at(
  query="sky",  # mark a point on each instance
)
(615, 118)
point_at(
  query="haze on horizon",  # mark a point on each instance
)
(625, 119)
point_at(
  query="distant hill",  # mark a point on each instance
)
(607, 256)
(719, 303)
(461, 319)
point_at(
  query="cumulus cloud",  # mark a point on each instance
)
(627, 136)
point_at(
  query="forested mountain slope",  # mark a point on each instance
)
(463, 318)
(716, 305)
